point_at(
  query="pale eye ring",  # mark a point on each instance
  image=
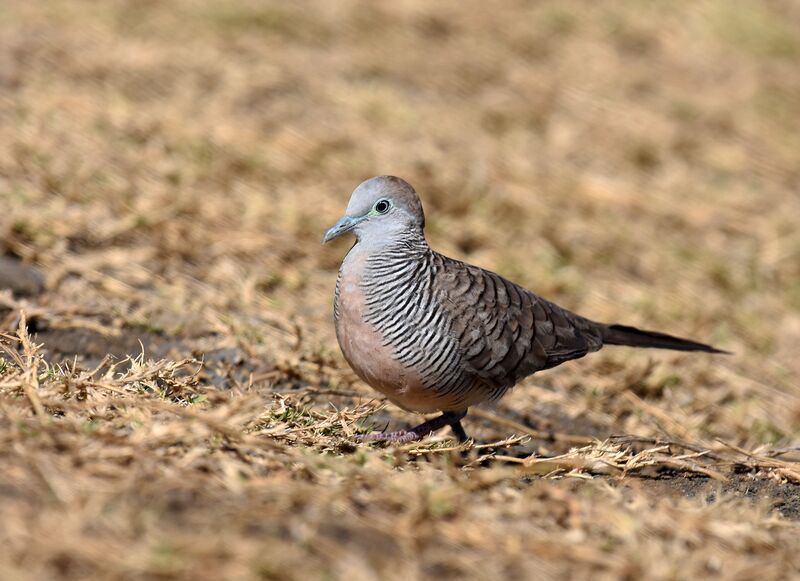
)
(382, 206)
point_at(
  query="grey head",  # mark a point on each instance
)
(381, 208)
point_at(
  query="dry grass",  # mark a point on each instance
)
(172, 400)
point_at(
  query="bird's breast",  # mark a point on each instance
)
(365, 347)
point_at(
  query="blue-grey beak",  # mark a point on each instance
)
(343, 226)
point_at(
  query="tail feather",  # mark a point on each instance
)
(633, 337)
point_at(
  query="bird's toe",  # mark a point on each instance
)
(400, 437)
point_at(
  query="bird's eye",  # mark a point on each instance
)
(382, 206)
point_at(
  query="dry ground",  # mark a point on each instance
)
(172, 400)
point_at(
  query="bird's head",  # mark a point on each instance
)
(381, 207)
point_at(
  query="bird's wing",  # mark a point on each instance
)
(506, 332)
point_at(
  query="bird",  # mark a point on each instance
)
(435, 334)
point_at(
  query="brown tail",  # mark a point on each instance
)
(633, 337)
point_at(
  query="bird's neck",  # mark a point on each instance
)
(410, 240)
(368, 256)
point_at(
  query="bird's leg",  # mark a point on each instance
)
(452, 419)
(458, 431)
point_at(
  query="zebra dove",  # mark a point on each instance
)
(436, 334)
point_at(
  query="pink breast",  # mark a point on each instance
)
(364, 350)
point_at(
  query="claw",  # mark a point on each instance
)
(400, 437)
(452, 419)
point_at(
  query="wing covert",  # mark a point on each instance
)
(506, 332)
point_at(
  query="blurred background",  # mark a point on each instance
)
(168, 168)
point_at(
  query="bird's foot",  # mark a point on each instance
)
(399, 437)
(452, 419)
